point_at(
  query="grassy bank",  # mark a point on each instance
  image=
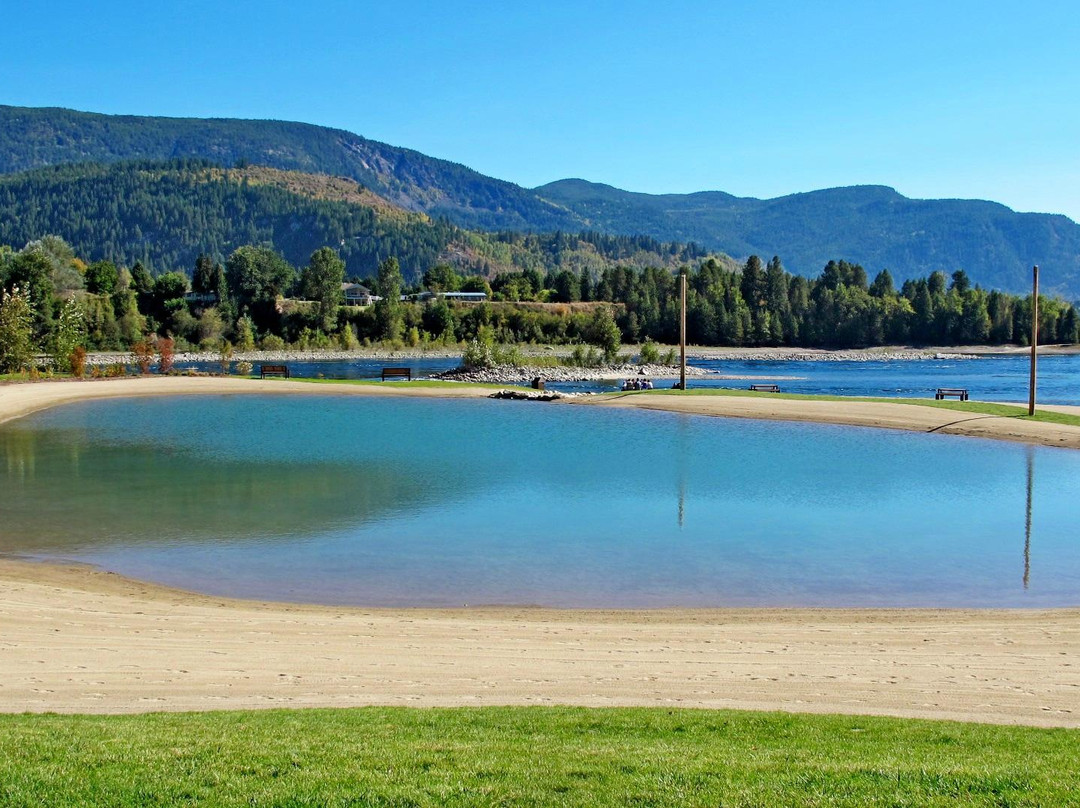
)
(528, 756)
(974, 407)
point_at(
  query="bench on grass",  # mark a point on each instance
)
(960, 392)
(765, 388)
(397, 373)
(274, 370)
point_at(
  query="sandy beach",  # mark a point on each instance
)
(911, 417)
(80, 640)
(77, 639)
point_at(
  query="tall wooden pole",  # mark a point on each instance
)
(682, 332)
(1034, 337)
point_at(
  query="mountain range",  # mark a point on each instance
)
(871, 225)
(165, 213)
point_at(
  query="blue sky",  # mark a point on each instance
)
(944, 99)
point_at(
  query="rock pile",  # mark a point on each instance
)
(511, 374)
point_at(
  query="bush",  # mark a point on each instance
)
(272, 342)
(584, 356)
(649, 354)
(77, 360)
(166, 351)
(477, 356)
(225, 352)
(142, 354)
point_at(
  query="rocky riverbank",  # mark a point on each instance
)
(512, 374)
(694, 352)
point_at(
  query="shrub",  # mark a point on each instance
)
(77, 360)
(584, 356)
(477, 356)
(165, 350)
(245, 334)
(649, 354)
(225, 352)
(142, 354)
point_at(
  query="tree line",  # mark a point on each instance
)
(54, 301)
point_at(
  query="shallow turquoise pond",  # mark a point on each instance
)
(350, 500)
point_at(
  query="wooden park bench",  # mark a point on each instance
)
(960, 392)
(765, 388)
(397, 373)
(274, 370)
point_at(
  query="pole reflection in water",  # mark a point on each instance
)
(1027, 515)
(682, 451)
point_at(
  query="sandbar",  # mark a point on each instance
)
(19, 399)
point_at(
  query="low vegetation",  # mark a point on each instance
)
(528, 756)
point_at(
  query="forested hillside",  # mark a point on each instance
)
(165, 214)
(35, 137)
(871, 225)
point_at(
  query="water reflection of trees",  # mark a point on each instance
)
(59, 492)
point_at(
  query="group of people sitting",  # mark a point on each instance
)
(637, 384)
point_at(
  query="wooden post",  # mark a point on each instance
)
(682, 332)
(1034, 337)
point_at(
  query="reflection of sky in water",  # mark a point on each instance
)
(413, 502)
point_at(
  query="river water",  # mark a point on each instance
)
(987, 378)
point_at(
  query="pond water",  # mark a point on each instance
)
(989, 378)
(351, 500)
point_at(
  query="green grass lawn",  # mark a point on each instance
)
(528, 756)
(975, 407)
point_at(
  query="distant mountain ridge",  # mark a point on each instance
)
(871, 225)
(166, 213)
(32, 137)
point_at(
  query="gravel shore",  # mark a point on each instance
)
(560, 373)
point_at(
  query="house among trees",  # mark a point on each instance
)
(201, 298)
(357, 295)
(465, 297)
(460, 297)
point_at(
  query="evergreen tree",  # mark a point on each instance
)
(883, 285)
(204, 278)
